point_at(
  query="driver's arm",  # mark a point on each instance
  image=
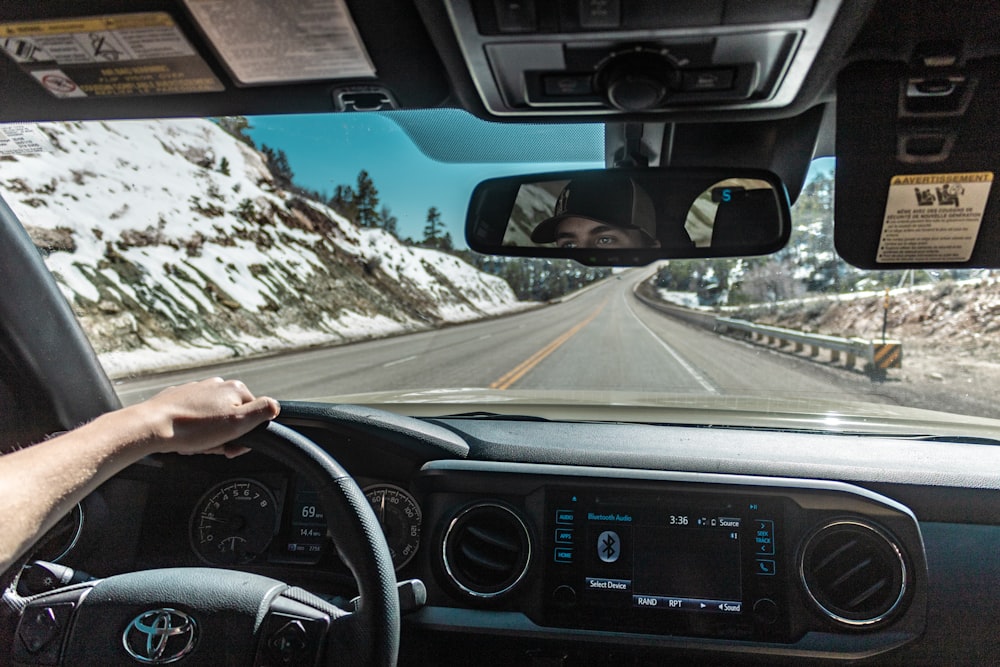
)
(39, 484)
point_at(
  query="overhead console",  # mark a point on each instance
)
(588, 57)
(790, 567)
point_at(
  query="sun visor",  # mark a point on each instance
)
(264, 42)
(918, 150)
(215, 58)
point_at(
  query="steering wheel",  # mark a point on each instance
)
(208, 616)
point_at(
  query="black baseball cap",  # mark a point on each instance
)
(616, 202)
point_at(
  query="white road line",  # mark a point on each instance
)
(399, 361)
(705, 383)
(485, 337)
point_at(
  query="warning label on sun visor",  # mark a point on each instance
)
(108, 56)
(262, 41)
(23, 139)
(933, 217)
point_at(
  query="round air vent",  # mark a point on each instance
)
(486, 550)
(854, 572)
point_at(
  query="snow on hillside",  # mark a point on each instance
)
(174, 246)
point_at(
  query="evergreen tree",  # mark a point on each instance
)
(366, 201)
(277, 162)
(224, 167)
(536, 278)
(343, 202)
(389, 222)
(237, 126)
(433, 228)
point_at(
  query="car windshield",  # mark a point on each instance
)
(322, 257)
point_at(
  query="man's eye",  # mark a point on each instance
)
(567, 244)
(605, 240)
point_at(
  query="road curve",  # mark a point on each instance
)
(602, 339)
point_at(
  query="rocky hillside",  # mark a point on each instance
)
(963, 316)
(951, 350)
(174, 245)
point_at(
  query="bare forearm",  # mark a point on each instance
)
(40, 484)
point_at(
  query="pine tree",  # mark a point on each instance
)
(432, 230)
(366, 201)
(277, 161)
(237, 126)
(343, 202)
(224, 167)
(390, 223)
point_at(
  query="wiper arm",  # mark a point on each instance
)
(494, 416)
(957, 439)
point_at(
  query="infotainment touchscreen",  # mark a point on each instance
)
(689, 563)
(689, 560)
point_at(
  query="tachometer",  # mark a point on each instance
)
(399, 515)
(234, 522)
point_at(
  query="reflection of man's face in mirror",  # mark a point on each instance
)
(601, 212)
(577, 232)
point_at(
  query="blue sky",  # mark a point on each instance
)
(330, 149)
(325, 150)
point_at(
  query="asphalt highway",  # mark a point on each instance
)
(601, 339)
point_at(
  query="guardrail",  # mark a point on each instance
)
(879, 356)
(696, 318)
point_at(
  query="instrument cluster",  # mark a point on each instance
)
(271, 519)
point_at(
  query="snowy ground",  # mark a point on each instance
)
(685, 299)
(175, 247)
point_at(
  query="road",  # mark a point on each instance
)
(602, 339)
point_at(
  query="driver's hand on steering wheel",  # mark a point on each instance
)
(200, 417)
(39, 484)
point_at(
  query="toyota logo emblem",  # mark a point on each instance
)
(160, 636)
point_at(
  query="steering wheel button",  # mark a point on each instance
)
(288, 643)
(39, 631)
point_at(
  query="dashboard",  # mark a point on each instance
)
(534, 543)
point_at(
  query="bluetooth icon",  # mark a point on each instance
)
(609, 546)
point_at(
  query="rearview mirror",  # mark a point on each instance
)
(620, 217)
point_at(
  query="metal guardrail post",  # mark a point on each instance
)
(878, 355)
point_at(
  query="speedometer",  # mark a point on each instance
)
(234, 522)
(399, 515)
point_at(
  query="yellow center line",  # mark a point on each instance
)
(525, 366)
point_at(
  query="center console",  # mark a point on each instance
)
(672, 559)
(704, 564)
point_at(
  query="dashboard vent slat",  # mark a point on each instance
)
(486, 550)
(855, 573)
(494, 539)
(483, 560)
(833, 556)
(839, 581)
(865, 595)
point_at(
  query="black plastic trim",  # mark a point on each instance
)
(42, 335)
(420, 439)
